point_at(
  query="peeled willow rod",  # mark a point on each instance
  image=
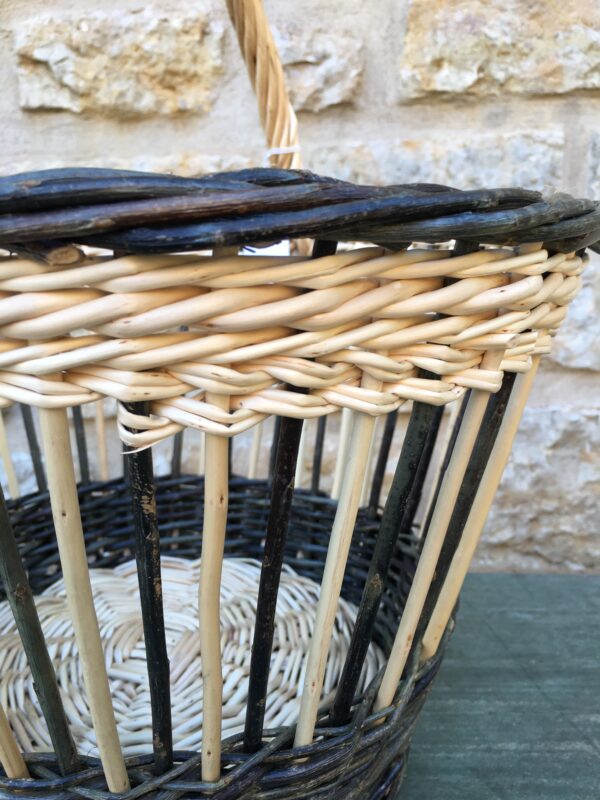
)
(71, 547)
(10, 755)
(344, 436)
(5, 455)
(478, 514)
(435, 537)
(335, 565)
(216, 494)
(397, 518)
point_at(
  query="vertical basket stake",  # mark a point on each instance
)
(364, 497)
(478, 514)
(82, 453)
(381, 463)
(20, 597)
(257, 432)
(147, 556)
(484, 444)
(335, 565)
(340, 464)
(273, 450)
(270, 574)
(315, 478)
(202, 454)
(397, 517)
(34, 447)
(289, 439)
(450, 435)
(299, 476)
(435, 537)
(11, 478)
(71, 547)
(101, 441)
(10, 755)
(216, 493)
(177, 454)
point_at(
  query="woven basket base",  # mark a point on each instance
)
(119, 614)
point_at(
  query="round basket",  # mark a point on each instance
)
(298, 664)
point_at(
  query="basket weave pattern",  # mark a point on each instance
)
(258, 325)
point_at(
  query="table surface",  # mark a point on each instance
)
(515, 710)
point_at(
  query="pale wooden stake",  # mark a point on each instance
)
(202, 453)
(364, 496)
(216, 490)
(101, 439)
(56, 442)
(435, 537)
(11, 477)
(10, 755)
(340, 464)
(451, 416)
(478, 514)
(257, 432)
(299, 477)
(337, 554)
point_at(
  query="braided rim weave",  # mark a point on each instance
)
(145, 213)
(266, 75)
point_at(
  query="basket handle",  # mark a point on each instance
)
(260, 53)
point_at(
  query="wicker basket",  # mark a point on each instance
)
(298, 666)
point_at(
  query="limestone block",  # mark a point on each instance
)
(322, 69)
(120, 63)
(545, 515)
(483, 47)
(520, 158)
(577, 344)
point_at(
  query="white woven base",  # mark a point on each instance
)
(119, 614)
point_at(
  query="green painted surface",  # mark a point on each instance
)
(515, 711)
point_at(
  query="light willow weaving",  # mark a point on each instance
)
(116, 598)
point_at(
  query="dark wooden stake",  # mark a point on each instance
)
(34, 447)
(407, 483)
(380, 465)
(446, 456)
(318, 455)
(273, 452)
(282, 469)
(282, 493)
(176, 455)
(484, 444)
(20, 597)
(82, 454)
(147, 555)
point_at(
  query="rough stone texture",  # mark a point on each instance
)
(188, 164)
(532, 159)
(594, 165)
(323, 69)
(577, 345)
(545, 515)
(517, 46)
(117, 63)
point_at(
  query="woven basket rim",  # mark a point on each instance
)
(140, 212)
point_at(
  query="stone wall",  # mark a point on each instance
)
(467, 92)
